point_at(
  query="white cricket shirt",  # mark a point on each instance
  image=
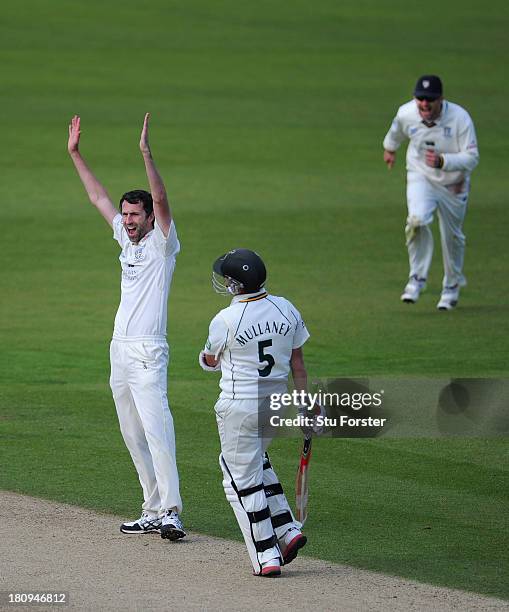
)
(147, 269)
(254, 338)
(452, 136)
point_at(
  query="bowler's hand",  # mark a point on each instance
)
(433, 159)
(74, 135)
(389, 158)
(144, 146)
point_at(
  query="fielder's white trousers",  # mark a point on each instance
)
(250, 483)
(423, 199)
(139, 385)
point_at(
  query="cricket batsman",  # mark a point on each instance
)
(255, 342)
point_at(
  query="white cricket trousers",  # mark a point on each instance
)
(423, 199)
(250, 483)
(139, 385)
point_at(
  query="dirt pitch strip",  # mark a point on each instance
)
(51, 547)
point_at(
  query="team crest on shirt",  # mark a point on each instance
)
(447, 132)
(412, 130)
(138, 254)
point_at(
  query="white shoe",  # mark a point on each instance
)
(413, 289)
(145, 524)
(271, 569)
(449, 298)
(172, 527)
(293, 541)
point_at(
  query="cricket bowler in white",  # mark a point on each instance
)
(146, 233)
(254, 342)
(441, 155)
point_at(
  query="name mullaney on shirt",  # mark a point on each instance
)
(259, 329)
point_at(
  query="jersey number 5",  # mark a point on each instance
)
(263, 356)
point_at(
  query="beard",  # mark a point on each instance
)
(137, 232)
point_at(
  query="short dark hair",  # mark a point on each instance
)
(138, 196)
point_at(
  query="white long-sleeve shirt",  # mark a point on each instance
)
(452, 136)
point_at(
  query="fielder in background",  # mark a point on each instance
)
(441, 154)
(146, 234)
(254, 342)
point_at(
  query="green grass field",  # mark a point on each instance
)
(267, 122)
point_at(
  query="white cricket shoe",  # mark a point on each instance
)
(145, 524)
(293, 541)
(172, 527)
(413, 289)
(449, 298)
(271, 569)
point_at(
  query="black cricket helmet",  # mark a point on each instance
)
(239, 270)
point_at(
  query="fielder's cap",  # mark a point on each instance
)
(244, 266)
(429, 86)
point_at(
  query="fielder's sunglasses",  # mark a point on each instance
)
(425, 98)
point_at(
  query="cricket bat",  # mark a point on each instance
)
(301, 482)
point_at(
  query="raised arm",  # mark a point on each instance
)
(96, 192)
(161, 205)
